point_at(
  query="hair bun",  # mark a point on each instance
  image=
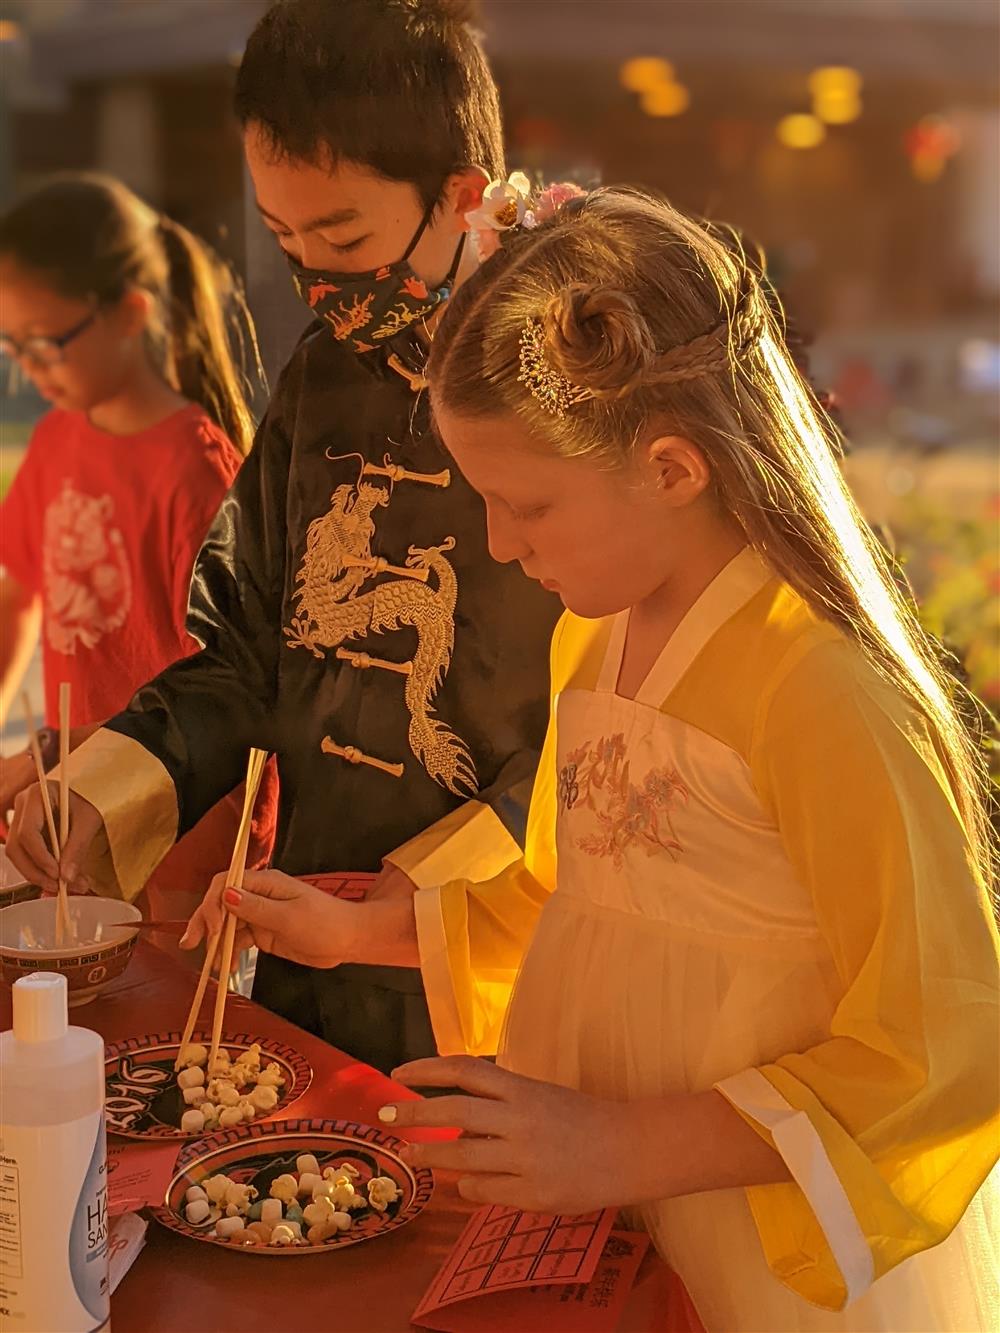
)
(598, 338)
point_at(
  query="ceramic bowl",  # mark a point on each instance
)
(14, 888)
(97, 950)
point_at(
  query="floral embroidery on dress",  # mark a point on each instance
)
(597, 777)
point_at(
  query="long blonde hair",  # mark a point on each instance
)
(662, 320)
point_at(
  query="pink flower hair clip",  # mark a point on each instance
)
(508, 203)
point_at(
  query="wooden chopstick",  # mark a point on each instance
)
(199, 995)
(64, 707)
(36, 754)
(234, 880)
(227, 935)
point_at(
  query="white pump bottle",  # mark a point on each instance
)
(53, 1168)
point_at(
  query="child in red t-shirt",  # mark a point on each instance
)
(117, 314)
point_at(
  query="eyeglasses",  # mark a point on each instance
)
(43, 351)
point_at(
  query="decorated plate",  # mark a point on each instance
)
(142, 1099)
(258, 1154)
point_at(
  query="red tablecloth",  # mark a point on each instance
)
(179, 1286)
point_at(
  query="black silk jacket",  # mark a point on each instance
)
(354, 623)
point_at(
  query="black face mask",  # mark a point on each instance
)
(365, 309)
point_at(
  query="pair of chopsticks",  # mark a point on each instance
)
(227, 935)
(64, 926)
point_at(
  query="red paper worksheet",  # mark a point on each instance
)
(511, 1271)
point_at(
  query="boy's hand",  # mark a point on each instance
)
(27, 844)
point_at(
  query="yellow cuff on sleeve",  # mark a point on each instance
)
(135, 797)
(469, 843)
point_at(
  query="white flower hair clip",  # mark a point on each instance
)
(504, 205)
(509, 203)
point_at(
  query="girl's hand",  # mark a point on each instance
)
(278, 914)
(392, 885)
(527, 1144)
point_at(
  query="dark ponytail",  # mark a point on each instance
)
(200, 288)
(89, 237)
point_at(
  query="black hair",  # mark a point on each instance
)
(400, 86)
(89, 238)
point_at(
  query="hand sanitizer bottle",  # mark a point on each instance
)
(53, 1169)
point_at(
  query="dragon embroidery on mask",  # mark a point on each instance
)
(333, 607)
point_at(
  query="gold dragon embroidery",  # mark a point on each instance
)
(332, 609)
(348, 319)
(398, 318)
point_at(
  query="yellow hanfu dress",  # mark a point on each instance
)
(762, 887)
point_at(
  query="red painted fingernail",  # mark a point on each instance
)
(232, 897)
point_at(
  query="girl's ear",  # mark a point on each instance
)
(678, 469)
(133, 312)
(463, 192)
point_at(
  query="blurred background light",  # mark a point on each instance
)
(645, 72)
(801, 130)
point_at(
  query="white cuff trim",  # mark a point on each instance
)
(435, 964)
(803, 1152)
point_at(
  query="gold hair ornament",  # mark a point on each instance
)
(554, 391)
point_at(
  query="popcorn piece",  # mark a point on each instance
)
(240, 1076)
(273, 1077)
(321, 1210)
(382, 1190)
(230, 1117)
(219, 1067)
(264, 1098)
(193, 1054)
(223, 1091)
(216, 1187)
(250, 1058)
(282, 1235)
(239, 1196)
(341, 1221)
(247, 1109)
(285, 1188)
(343, 1196)
(345, 1169)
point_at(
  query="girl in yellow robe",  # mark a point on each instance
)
(755, 961)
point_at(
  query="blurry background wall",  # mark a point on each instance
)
(857, 140)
